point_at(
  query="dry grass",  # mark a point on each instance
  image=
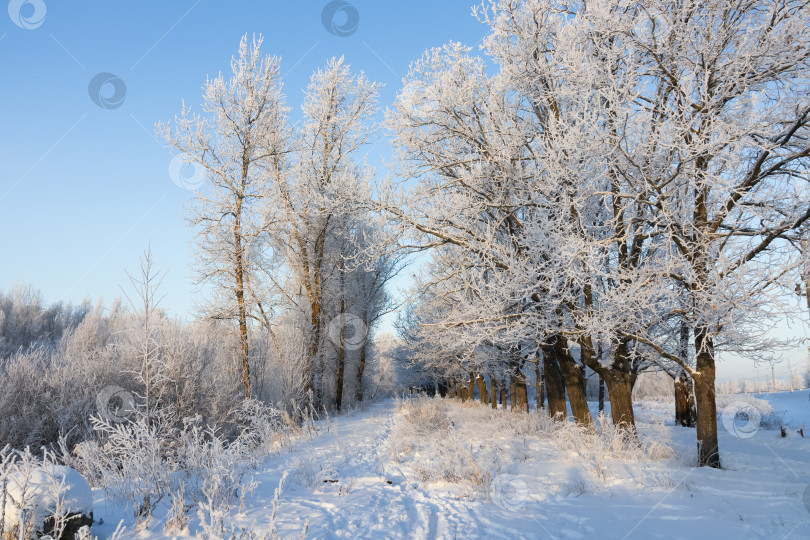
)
(468, 444)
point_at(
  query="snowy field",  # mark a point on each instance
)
(443, 469)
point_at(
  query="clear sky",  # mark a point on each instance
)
(85, 186)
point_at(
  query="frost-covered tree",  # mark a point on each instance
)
(144, 341)
(311, 190)
(236, 140)
(711, 119)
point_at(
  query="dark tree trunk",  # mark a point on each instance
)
(685, 413)
(680, 401)
(311, 367)
(620, 379)
(555, 391)
(521, 400)
(493, 392)
(443, 390)
(341, 346)
(361, 367)
(691, 407)
(574, 379)
(620, 389)
(482, 388)
(467, 391)
(341, 363)
(708, 445)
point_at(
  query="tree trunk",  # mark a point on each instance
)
(691, 408)
(680, 399)
(708, 445)
(601, 394)
(620, 389)
(512, 392)
(468, 390)
(555, 391)
(521, 400)
(538, 383)
(240, 299)
(341, 363)
(341, 352)
(443, 389)
(685, 413)
(620, 378)
(339, 379)
(361, 367)
(493, 392)
(482, 388)
(312, 285)
(311, 366)
(574, 379)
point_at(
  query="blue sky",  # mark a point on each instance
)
(84, 189)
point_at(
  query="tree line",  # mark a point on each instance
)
(610, 185)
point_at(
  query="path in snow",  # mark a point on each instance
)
(346, 483)
(372, 496)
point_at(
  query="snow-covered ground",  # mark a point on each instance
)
(460, 471)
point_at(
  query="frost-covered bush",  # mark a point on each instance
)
(455, 461)
(417, 419)
(146, 460)
(132, 461)
(314, 470)
(654, 386)
(424, 415)
(26, 322)
(278, 374)
(44, 392)
(48, 391)
(261, 427)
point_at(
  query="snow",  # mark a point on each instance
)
(792, 407)
(38, 488)
(364, 475)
